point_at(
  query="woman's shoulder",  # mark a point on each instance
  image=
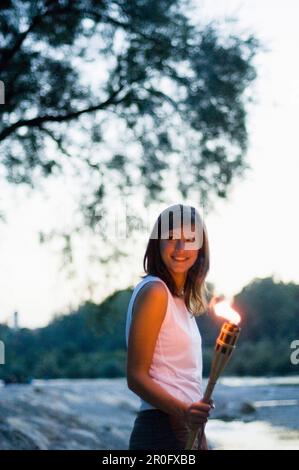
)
(151, 289)
(152, 286)
(152, 297)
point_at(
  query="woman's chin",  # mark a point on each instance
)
(179, 268)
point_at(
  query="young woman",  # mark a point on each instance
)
(164, 361)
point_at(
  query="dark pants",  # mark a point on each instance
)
(157, 430)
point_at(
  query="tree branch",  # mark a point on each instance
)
(57, 140)
(39, 120)
(8, 54)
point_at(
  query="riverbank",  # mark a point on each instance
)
(99, 414)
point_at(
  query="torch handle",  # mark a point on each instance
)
(225, 344)
(206, 399)
(209, 391)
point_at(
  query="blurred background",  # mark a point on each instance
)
(111, 112)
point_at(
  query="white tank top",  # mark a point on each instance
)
(177, 359)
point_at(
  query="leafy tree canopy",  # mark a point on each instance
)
(123, 92)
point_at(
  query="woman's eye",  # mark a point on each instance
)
(187, 240)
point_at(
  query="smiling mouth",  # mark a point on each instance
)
(175, 258)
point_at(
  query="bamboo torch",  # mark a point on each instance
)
(225, 344)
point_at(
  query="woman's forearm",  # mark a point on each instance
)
(146, 388)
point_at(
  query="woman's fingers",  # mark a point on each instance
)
(198, 413)
(201, 406)
(199, 417)
(195, 423)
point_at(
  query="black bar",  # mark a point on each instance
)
(136, 459)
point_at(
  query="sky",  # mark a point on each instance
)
(253, 234)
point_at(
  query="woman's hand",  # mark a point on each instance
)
(198, 413)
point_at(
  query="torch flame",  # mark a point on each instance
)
(223, 309)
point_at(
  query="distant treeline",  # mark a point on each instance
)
(90, 342)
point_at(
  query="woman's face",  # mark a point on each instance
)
(175, 255)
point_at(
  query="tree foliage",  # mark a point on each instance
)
(172, 93)
(91, 341)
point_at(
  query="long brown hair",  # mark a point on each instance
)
(195, 288)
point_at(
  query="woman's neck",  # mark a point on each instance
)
(179, 279)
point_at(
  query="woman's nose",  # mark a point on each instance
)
(180, 244)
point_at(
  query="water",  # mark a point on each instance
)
(255, 435)
(257, 413)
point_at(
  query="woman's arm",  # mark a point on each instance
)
(149, 312)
